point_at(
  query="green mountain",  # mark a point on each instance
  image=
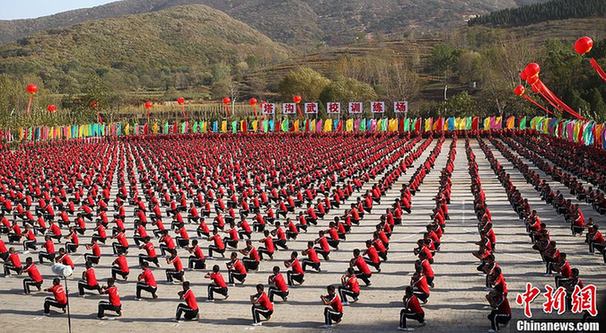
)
(296, 22)
(179, 46)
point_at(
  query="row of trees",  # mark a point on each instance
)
(551, 10)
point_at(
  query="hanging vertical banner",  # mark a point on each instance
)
(333, 107)
(268, 108)
(400, 107)
(311, 108)
(356, 107)
(377, 107)
(289, 108)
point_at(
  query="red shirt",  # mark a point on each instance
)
(352, 283)
(190, 299)
(279, 282)
(178, 264)
(254, 254)
(218, 242)
(313, 255)
(218, 280)
(336, 304)
(413, 305)
(362, 266)
(324, 244)
(34, 273)
(149, 248)
(91, 278)
(122, 264)
(114, 297)
(427, 270)
(373, 255)
(296, 267)
(59, 293)
(15, 260)
(239, 267)
(263, 300)
(148, 277)
(422, 285)
(269, 244)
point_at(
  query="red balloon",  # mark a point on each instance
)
(148, 105)
(532, 79)
(31, 89)
(51, 108)
(252, 101)
(583, 45)
(533, 69)
(226, 100)
(297, 99)
(523, 75)
(180, 100)
(519, 90)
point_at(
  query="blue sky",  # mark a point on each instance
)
(19, 9)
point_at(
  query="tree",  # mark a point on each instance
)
(598, 106)
(346, 89)
(303, 81)
(443, 60)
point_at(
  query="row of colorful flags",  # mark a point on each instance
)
(587, 132)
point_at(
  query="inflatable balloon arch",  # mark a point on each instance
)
(561, 120)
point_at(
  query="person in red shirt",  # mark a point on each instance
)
(113, 304)
(177, 272)
(13, 263)
(412, 310)
(197, 259)
(233, 237)
(244, 228)
(59, 300)
(120, 267)
(324, 247)
(597, 242)
(501, 311)
(30, 239)
(333, 313)
(55, 231)
(203, 229)
(146, 281)
(349, 286)
(73, 242)
(277, 285)
(217, 285)
(261, 306)
(150, 252)
(236, 269)
(252, 259)
(89, 280)
(95, 254)
(312, 257)
(296, 272)
(100, 233)
(218, 246)
(3, 251)
(64, 259)
(269, 247)
(292, 229)
(189, 310)
(363, 272)
(420, 285)
(280, 235)
(34, 279)
(121, 246)
(372, 256)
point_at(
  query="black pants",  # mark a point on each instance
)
(407, 314)
(29, 244)
(146, 287)
(263, 250)
(91, 258)
(105, 306)
(498, 318)
(117, 271)
(290, 277)
(331, 315)
(421, 295)
(377, 266)
(172, 274)
(257, 310)
(363, 277)
(250, 264)
(182, 242)
(118, 249)
(308, 262)
(49, 301)
(323, 253)
(71, 247)
(98, 238)
(212, 248)
(281, 243)
(145, 258)
(8, 267)
(275, 291)
(243, 234)
(187, 312)
(344, 292)
(45, 255)
(232, 276)
(214, 289)
(83, 285)
(195, 262)
(27, 283)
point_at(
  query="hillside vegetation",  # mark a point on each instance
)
(296, 22)
(177, 47)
